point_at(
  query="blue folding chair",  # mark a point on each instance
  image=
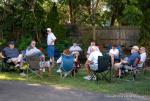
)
(67, 65)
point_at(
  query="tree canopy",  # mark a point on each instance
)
(26, 19)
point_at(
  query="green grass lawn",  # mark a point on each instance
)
(140, 86)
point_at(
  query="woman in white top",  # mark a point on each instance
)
(142, 56)
(32, 50)
(114, 53)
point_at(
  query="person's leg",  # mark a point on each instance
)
(87, 67)
(112, 60)
(117, 69)
(117, 66)
(51, 54)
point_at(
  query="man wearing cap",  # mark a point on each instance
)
(130, 62)
(50, 42)
(11, 54)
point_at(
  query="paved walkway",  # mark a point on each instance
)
(19, 91)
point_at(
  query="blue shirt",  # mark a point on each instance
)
(133, 57)
(11, 53)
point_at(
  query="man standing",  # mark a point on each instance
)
(51, 42)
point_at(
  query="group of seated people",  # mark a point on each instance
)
(119, 62)
(135, 60)
(11, 55)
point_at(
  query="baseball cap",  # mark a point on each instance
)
(11, 42)
(48, 29)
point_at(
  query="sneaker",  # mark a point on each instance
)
(23, 74)
(43, 69)
(87, 77)
(65, 74)
(58, 71)
(17, 65)
(9, 61)
(94, 78)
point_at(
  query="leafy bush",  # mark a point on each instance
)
(24, 42)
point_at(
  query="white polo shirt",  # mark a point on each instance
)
(114, 52)
(51, 37)
(94, 57)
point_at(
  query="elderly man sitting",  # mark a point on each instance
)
(129, 62)
(11, 54)
(92, 62)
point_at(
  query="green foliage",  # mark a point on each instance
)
(24, 42)
(53, 17)
(132, 15)
(63, 44)
(3, 42)
(31, 17)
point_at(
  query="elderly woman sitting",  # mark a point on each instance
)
(66, 62)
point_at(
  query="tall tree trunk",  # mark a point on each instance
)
(113, 18)
(71, 12)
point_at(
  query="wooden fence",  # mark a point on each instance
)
(113, 35)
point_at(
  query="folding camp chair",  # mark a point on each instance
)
(104, 68)
(67, 65)
(34, 67)
(5, 66)
(2, 65)
(132, 70)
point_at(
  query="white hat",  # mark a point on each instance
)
(48, 29)
(136, 48)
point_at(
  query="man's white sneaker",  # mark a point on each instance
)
(23, 74)
(87, 77)
(17, 65)
(9, 61)
(59, 71)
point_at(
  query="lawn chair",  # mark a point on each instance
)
(34, 67)
(67, 65)
(104, 68)
(131, 69)
(2, 65)
(5, 66)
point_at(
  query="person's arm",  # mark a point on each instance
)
(110, 52)
(89, 60)
(80, 49)
(117, 54)
(59, 60)
(71, 49)
(88, 51)
(54, 38)
(1, 55)
(142, 59)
